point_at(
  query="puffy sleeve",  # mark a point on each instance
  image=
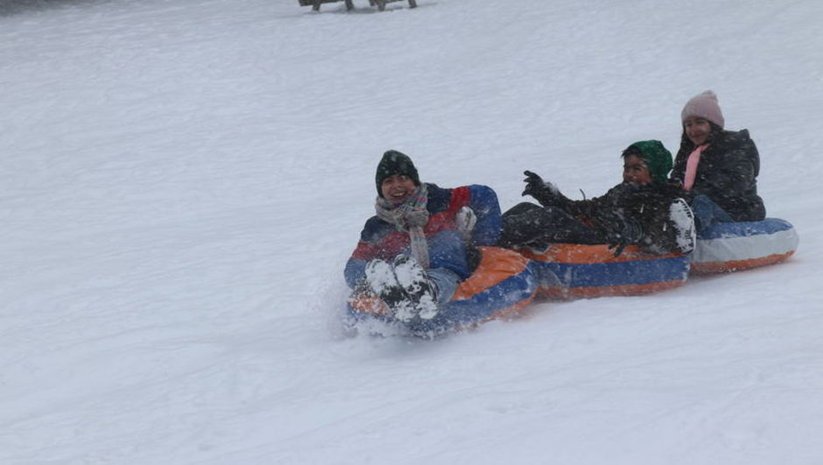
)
(740, 169)
(483, 201)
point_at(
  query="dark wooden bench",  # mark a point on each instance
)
(315, 4)
(381, 4)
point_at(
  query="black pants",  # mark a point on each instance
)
(530, 224)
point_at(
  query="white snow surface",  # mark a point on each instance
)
(182, 182)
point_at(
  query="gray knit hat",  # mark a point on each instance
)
(704, 106)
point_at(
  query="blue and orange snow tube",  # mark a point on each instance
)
(503, 284)
(568, 271)
(725, 247)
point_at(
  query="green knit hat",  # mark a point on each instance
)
(394, 162)
(657, 158)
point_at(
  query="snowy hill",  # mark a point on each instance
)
(183, 180)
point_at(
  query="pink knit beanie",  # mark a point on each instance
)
(704, 106)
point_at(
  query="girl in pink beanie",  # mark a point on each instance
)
(717, 168)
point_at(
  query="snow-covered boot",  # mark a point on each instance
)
(415, 281)
(681, 219)
(383, 283)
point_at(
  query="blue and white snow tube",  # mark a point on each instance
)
(725, 247)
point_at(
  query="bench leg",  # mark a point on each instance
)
(412, 3)
(349, 4)
(316, 6)
(381, 4)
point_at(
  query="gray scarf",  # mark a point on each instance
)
(411, 216)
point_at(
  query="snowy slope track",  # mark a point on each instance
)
(181, 182)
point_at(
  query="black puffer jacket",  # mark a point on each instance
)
(648, 205)
(727, 173)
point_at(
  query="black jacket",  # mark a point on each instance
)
(727, 173)
(645, 205)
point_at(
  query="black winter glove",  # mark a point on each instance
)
(542, 191)
(616, 242)
(619, 231)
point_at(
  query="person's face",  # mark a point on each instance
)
(635, 170)
(697, 130)
(397, 188)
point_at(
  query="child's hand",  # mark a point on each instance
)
(543, 191)
(618, 230)
(532, 178)
(534, 183)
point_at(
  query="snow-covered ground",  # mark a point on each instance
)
(181, 182)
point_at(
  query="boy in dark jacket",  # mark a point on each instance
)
(717, 168)
(422, 241)
(644, 210)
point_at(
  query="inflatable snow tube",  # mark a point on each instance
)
(726, 247)
(569, 271)
(503, 283)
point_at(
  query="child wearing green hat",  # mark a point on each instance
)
(644, 210)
